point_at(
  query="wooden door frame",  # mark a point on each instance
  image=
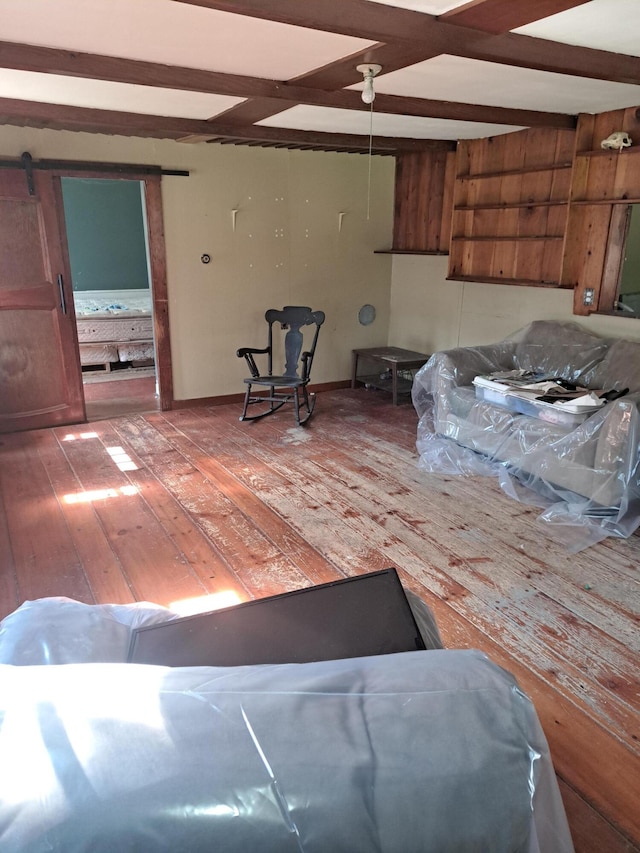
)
(157, 261)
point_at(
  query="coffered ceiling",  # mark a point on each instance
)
(283, 72)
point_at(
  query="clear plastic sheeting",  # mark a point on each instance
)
(60, 630)
(430, 751)
(585, 475)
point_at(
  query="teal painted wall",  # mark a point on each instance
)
(105, 233)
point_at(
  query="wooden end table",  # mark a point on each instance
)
(390, 359)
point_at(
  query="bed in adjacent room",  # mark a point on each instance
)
(114, 326)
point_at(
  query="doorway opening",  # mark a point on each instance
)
(108, 243)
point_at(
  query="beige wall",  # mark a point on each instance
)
(286, 248)
(429, 313)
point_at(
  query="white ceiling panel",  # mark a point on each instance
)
(430, 7)
(331, 120)
(104, 95)
(454, 78)
(612, 25)
(175, 34)
(181, 34)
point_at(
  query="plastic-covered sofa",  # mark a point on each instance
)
(435, 751)
(586, 475)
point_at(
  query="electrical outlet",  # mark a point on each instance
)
(588, 296)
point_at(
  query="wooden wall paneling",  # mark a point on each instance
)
(557, 218)
(513, 160)
(505, 189)
(573, 246)
(590, 247)
(405, 191)
(400, 220)
(462, 193)
(462, 165)
(626, 182)
(584, 132)
(537, 262)
(602, 175)
(447, 201)
(580, 178)
(435, 199)
(542, 260)
(419, 205)
(612, 268)
(505, 253)
(565, 146)
(456, 256)
(417, 193)
(551, 262)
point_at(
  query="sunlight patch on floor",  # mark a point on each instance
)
(205, 603)
(99, 495)
(71, 437)
(122, 459)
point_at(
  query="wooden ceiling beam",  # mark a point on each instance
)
(55, 61)
(500, 16)
(393, 25)
(56, 117)
(356, 18)
(335, 75)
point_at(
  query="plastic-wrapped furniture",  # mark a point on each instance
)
(436, 751)
(586, 475)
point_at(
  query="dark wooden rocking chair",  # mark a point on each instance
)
(292, 384)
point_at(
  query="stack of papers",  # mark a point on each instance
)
(589, 402)
(518, 384)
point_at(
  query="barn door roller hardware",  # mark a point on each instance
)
(27, 163)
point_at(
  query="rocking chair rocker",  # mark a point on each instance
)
(292, 384)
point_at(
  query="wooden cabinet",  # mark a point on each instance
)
(510, 204)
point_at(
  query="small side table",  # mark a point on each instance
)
(390, 359)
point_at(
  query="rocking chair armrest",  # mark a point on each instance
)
(246, 350)
(307, 360)
(248, 353)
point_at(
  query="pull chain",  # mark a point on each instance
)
(370, 149)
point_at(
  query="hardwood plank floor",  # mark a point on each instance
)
(191, 503)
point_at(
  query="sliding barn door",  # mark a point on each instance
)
(40, 374)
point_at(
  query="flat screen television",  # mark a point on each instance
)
(356, 617)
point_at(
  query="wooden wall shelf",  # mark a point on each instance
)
(511, 230)
(512, 205)
(408, 252)
(582, 201)
(513, 238)
(606, 152)
(526, 282)
(505, 173)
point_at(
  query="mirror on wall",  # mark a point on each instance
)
(620, 293)
(628, 301)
